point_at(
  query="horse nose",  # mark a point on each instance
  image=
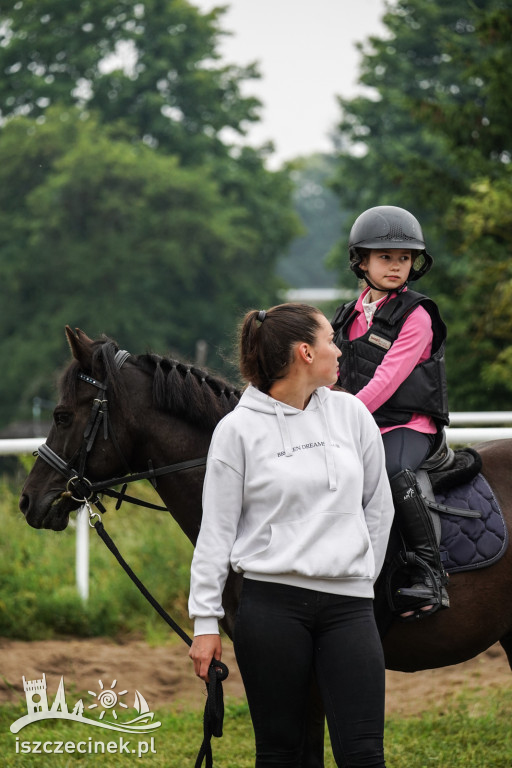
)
(24, 503)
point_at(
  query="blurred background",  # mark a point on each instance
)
(141, 195)
(167, 165)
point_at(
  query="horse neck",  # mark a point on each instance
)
(167, 441)
(157, 437)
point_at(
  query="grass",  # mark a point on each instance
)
(38, 595)
(476, 733)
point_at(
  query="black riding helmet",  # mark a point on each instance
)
(387, 226)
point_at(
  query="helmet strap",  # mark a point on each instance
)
(385, 290)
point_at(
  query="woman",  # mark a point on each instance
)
(296, 498)
(392, 340)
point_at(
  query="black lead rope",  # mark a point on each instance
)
(214, 709)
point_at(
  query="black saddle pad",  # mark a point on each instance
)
(470, 543)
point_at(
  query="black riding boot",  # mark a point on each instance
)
(416, 524)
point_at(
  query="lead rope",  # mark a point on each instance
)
(214, 708)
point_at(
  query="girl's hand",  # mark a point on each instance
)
(204, 648)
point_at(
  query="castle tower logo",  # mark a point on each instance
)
(35, 692)
(108, 703)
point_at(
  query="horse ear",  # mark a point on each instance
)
(80, 345)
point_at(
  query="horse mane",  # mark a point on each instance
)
(190, 393)
(185, 391)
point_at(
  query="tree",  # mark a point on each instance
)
(485, 218)
(435, 124)
(153, 65)
(123, 208)
(116, 238)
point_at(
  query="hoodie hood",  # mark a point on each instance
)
(256, 400)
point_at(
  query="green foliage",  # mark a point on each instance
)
(38, 596)
(486, 218)
(434, 135)
(153, 65)
(122, 208)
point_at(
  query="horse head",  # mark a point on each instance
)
(117, 415)
(81, 436)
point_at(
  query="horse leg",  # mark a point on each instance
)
(506, 643)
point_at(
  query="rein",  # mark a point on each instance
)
(82, 490)
(78, 483)
(214, 708)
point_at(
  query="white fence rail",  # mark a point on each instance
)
(13, 446)
(455, 435)
(480, 417)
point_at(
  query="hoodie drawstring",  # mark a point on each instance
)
(329, 454)
(283, 427)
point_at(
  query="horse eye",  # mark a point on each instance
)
(62, 418)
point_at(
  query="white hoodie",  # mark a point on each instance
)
(299, 497)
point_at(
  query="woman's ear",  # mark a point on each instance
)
(304, 352)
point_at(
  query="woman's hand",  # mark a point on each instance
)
(204, 648)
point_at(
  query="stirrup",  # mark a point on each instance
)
(421, 596)
(430, 590)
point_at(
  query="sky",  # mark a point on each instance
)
(307, 56)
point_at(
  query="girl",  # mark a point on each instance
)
(392, 341)
(297, 499)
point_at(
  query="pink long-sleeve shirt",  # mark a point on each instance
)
(413, 346)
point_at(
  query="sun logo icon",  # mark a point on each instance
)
(108, 698)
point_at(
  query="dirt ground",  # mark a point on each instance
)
(164, 676)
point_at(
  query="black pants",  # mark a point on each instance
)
(281, 634)
(405, 449)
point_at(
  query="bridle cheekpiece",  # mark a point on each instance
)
(78, 486)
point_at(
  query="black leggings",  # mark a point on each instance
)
(405, 449)
(283, 633)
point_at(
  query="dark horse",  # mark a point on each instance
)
(162, 412)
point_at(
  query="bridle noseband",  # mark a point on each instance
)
(79, 487)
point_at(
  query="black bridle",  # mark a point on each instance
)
(78, 486)
(80, 489)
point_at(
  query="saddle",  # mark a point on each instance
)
(448, 468)
(473, 533)
(471, 528)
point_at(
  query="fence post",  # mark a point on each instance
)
(82, 553)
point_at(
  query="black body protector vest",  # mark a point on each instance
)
(425, 390)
